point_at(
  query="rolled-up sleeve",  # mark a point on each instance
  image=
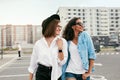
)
(33, 61)
(90, 46)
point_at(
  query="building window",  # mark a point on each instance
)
(111, 29)
(116, 21)
(97, 21)
(98, 34)
(97, 14)
(112, 25)
(83, 10)
(69, 17)
(74, 13)
(111, 14)
(116, 14)
(79, 10)
(83, 14)
(97, 29)
(112, 21)
(69, 13)
(83, 21)
(83, 17)
(79, 14)
(97, 18)
(69, 9)
(117, 25)
(97, 25)
(117, 18)
(111, 10)
(112, 18)
(97, 10)
(74, 9)
(116, 10)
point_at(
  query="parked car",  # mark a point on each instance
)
(97, 48)
(96, 43)
(117, 48)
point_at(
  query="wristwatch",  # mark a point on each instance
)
(60, 50)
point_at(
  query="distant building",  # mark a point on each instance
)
(103, 22)
(26, 35)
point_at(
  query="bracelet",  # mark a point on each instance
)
(60, 50)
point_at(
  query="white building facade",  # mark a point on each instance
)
(26, 35)
(103, 22)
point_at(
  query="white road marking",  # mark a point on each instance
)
(1, 67)
(14, 75)
(97, 77)
(21, 63)
(97, 64)
(97, 53)
(117, 53)
(17, 67)
(102, 53)
(107, 53)
(112, 53)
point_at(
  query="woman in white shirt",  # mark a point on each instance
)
(49, 53)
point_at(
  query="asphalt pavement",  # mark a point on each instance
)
(13, 68)
(6, 59)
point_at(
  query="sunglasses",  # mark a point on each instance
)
(79, 23)
(59, 26)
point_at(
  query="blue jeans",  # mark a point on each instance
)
(76, 76)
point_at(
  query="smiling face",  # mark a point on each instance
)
(78, 26)
(58, 29)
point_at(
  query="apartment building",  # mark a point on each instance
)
(102, 22)
(26, 35)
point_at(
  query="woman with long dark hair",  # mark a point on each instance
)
(81, 54)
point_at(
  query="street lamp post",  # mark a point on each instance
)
(1, 43)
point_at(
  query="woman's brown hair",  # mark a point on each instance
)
(49, 30)
(49, 25)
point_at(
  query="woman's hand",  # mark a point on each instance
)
(85, 75)
(61, 56)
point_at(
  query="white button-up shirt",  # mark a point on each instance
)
(48, 56)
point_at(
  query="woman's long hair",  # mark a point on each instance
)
(68, 33)
(49, 30)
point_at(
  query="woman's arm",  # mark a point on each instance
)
(62, 55)
(60, 49)
(33, 63)
(87, 74)
(91, 64)
(30, 76)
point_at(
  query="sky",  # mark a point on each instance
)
(22, 12)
